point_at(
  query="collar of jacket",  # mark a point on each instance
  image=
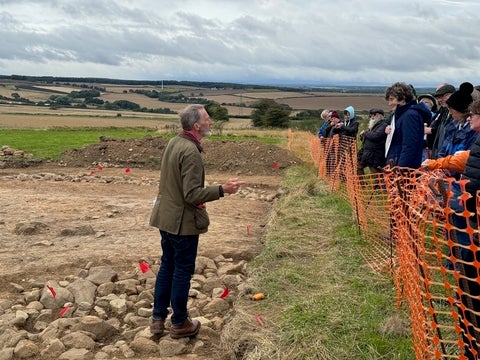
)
(191, 137)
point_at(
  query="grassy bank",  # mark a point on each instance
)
(323, 302)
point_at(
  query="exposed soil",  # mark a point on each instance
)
(110, 186)
(234, 157)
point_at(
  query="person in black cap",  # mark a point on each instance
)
(372, 152)
(436, 131)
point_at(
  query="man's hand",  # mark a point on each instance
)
(232, 186)
(425, 163)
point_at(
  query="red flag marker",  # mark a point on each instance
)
(275, 165)
(100, 167)
(127, 170)
(259, 320)
(64, 310)
(144, 267)
(92, 172)
(52, 291)
(249, 229)
(225, 293)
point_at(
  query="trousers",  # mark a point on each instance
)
(172, 284)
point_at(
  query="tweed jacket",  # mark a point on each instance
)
(180, 204)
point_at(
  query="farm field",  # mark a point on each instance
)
(237, 101)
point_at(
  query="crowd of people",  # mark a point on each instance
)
(421, 128)
(429, 132)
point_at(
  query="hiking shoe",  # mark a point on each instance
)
(188, 329)
(157, 326)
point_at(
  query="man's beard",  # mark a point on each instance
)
(205, 132)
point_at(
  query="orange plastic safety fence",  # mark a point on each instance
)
(418, 228)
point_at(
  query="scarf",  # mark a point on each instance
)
(190, 135)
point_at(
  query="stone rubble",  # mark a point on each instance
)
(19, 157)
(248, 192)
(104, 314)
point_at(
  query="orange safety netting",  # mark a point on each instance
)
(418, 230)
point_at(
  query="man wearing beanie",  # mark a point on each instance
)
(436, 131)
(461, 99)
(458, 134)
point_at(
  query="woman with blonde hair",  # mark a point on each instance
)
(325, 115)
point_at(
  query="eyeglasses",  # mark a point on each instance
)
(470, 114)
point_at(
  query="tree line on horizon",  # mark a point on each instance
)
(374, 89)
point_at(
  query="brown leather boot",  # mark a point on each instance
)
(157, 326)
(187, 329)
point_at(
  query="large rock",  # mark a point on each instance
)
(30, 228)
(78, 340)
(99, 327)
(101, 275)
(26, 349)
(144, 346)
(76, 354)
(62, 296)
(83, 291)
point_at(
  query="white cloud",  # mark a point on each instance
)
(263, 41)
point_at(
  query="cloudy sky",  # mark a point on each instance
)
(323, 42)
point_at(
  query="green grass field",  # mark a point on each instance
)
(49, 144)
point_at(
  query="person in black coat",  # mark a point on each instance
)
(372, 153)
(349, 127)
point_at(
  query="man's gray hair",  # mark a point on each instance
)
(190, 115)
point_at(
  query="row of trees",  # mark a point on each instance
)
(269, 113)
(90, 97)
(266, 113)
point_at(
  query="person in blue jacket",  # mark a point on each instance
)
(404, 144)
(458, 134)
(325, 115)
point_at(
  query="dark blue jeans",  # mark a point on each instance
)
(173, 279)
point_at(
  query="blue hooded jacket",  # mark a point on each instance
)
(406, 148)
(350, 129)
(351, 110)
